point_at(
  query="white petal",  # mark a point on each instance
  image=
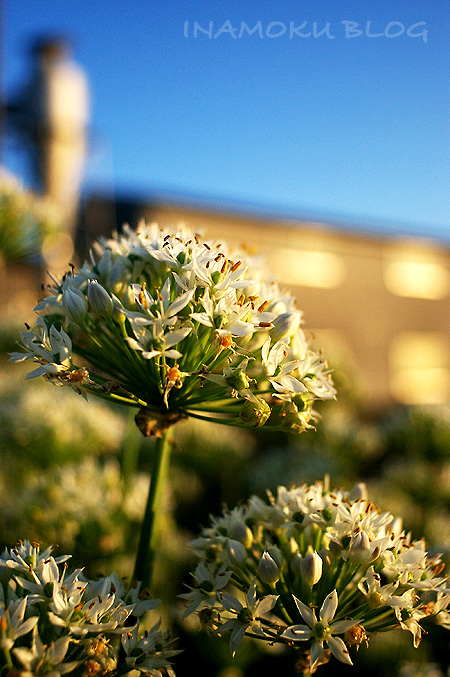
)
(25, 656)
(179, 303)
(329, 607)
(18, 357)
(202, 318)
(40, 371)
(150, 354)
(339, 650)
(180, 282)
(342, 626)
(230, 603)
(251, 595)
(265, 351)
(288, 383)
(174, 337)
(307, 613)
(59, 649)
(19, 613)
(265, 604)
(236, 638)
(297, 633)
(240, 328)
(316, 652)
(133, 344)
(238, 284)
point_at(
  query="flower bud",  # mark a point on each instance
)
(236, 551)
(99, 299)
(254, 412)
(74, 304)
(276, 554)
(267, 569)
(311, 568)
(303, 401)
(117, 313)
(237, 379)
(284, 325)
(295, 564)
(239, 531)
(293, 419)
(360, 550)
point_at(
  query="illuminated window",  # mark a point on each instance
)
(420, 371)
(308, 268)
(417, 272)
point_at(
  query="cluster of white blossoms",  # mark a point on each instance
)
(318, 570)
(57, 622)
(180, 327)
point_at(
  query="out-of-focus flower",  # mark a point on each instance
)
(81, 506)
(342, 571)
(178, 327)
(25, 219)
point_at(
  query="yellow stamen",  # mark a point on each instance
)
(226, 341)
(235, 266)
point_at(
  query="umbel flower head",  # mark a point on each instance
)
(57, 622)
(319, 570)
(178, 326)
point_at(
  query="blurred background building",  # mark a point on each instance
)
(50, 117)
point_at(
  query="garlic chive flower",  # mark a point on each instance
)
(56, 621)
(322, 630)
(179, 327)
(342, 570)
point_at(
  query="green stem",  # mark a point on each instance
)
(143, 568)
(130, 450)
(8, 659)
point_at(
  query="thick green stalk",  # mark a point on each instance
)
(8, 659)
(150, 524)
(130, 450)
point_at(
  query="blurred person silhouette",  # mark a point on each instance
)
(50, 116)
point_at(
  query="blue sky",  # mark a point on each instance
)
(342, 126)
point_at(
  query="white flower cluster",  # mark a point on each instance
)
(180, 327)
(320, 570)
(56, 622)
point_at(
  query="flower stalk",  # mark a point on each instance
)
(149, 531)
